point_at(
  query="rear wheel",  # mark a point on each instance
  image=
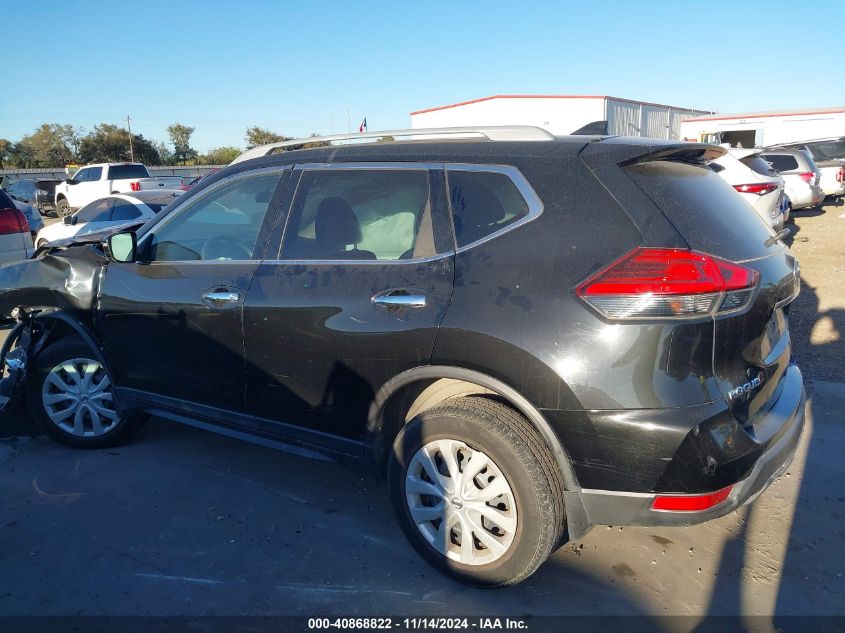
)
(477, 491)
(69, 396)
(62, 208)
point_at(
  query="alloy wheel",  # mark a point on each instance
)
(77, 398)
(461, 502)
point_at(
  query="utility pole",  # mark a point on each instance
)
(129, 127)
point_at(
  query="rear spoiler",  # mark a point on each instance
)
(596, 128)
(626, 150)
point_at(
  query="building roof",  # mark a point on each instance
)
(519, 96)
(763, 115)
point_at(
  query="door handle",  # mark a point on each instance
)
(221, 296)
(397, 299)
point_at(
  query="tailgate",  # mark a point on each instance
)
(751, 349)
(167, 182)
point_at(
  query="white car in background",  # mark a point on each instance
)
(755, 180)
(113, 211)
(829, 156)
(800, 174)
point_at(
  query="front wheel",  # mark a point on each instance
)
(62, 208)
(477, 491)
(69, 396)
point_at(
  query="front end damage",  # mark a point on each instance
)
(56, 289)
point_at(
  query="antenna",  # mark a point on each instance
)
(131, 152)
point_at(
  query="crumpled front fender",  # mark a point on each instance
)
(57, 279)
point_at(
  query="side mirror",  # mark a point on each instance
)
(70, 181)
(68, 220)
(121, 247)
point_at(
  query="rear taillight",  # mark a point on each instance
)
(660, 283)
(840, 175)
(760, 188)
(807, 176)
(13, 221)
(690, 503)
(135, 186)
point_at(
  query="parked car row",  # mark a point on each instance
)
(112, 212)
(526, 335)
(829, 156)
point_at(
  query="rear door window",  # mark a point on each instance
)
(483, 203)
(124, 211)
(781, 162)
(360, 214)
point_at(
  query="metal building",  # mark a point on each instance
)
(561, 114)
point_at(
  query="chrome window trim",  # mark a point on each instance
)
(535, 205)
(392, 165)
(367, 262)
(187, 204)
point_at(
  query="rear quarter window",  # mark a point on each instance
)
(483, 203)
(705, 209)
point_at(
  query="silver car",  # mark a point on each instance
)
(800, 173)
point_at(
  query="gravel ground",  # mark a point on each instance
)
(817, 318)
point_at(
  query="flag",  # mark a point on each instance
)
(363, 127)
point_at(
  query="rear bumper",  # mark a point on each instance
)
(783, 424)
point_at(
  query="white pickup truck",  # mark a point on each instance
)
(93, 182)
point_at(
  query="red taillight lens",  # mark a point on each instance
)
(840, 175)
(13, 221)
(135, 186)
(808, 176)
(760, 188)
(651, 283)
(690, 503)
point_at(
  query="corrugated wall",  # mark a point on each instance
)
(632, 118)
(623, 118)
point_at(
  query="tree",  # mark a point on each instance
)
(219, 156)
(5, 152)
(256, 136)
(313, 144)
(180, 136)
(109, 143)
(51, 145)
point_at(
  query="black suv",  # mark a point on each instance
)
(526, 338)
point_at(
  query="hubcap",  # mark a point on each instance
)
(461, 502)
(77, 398)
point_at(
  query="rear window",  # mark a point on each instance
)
(756, 162)
(6, 201)
(705, 209)
(782, 162)
(122, 172)
(828, 150)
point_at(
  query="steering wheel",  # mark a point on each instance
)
(224, 247)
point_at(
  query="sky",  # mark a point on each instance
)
(303, 67)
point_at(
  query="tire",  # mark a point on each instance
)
(62, 208)
(83, 432)
(527, 520)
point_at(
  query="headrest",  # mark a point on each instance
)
(336, 225)
(479, 205)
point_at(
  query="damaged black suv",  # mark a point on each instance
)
(526, 334)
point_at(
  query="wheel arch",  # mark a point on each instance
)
(421, 388)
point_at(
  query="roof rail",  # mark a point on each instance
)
(490, 133)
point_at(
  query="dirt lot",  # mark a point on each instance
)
(186, 522)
